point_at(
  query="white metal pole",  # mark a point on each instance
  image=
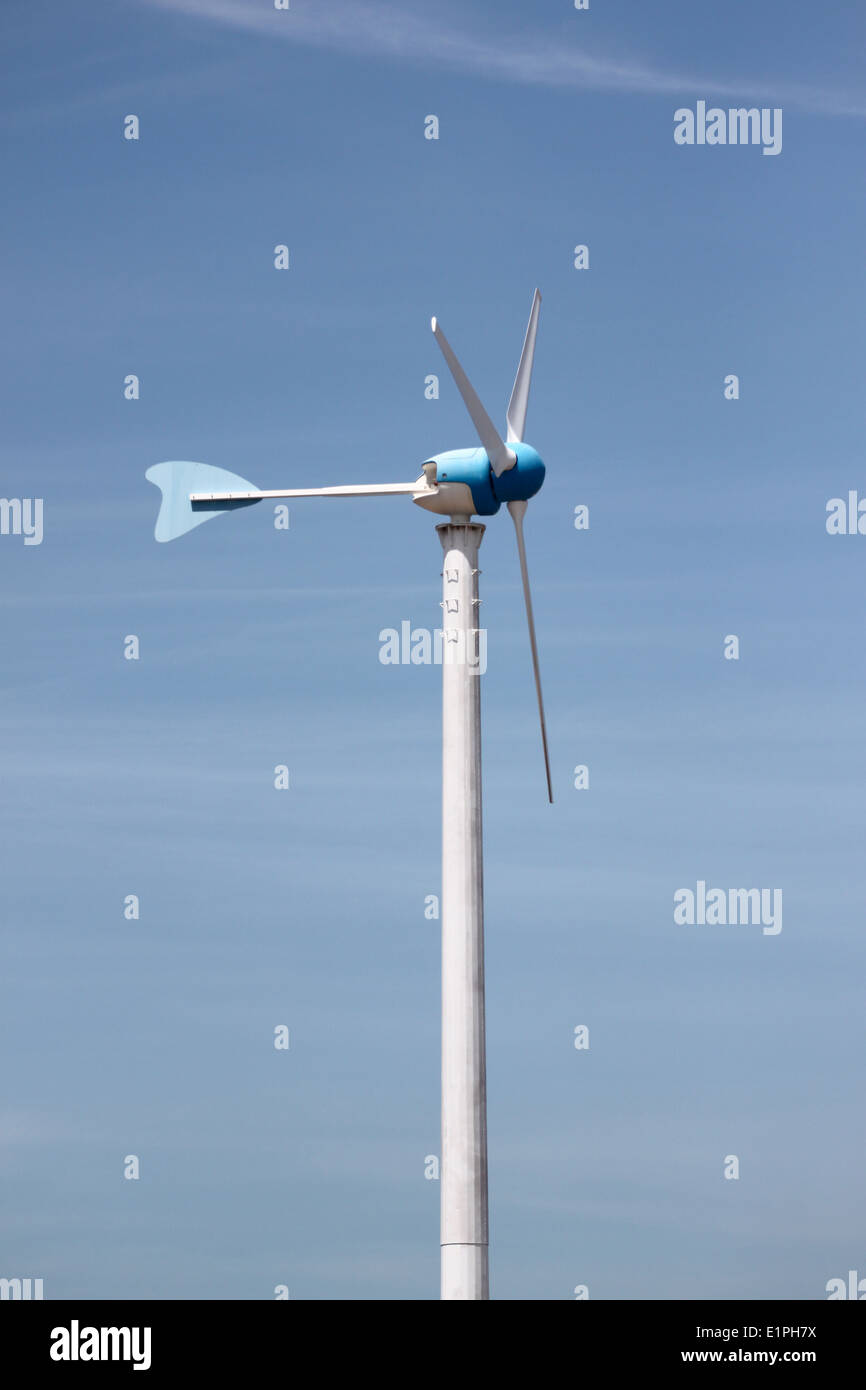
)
(464, 1231)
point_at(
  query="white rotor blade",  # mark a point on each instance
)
(353, 490)
(516, 416)
(518, 511)
(501, 457)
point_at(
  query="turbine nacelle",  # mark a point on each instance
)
(466, 483)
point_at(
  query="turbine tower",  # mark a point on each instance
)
(456, 485)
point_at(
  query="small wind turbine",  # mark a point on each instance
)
(459, 484)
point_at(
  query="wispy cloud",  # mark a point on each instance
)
(543, 58)
(169, 85)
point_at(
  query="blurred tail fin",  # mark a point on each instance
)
(176, 481)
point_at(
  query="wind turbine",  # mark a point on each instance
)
(459, 484)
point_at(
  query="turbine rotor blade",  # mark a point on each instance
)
(518, 511)
(501, 457)
(517, 406)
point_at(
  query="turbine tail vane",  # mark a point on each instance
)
(179, 479)
(192, 493)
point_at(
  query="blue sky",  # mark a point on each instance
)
(260, 647)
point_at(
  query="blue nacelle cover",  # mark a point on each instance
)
(472, 467)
